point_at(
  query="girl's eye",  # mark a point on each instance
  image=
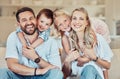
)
(81, 18)
(65, 20)
(59, 25)
(74, 18)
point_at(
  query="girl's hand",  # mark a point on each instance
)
(72, 56)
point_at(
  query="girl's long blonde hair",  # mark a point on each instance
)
(89, 34)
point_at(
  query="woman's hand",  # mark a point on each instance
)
(82, 60)
(90, 53)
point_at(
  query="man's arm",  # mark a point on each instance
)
(31, 54)
(12, 58)
(14, 66)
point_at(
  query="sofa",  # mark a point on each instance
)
(114, 72)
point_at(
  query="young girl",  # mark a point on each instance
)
(44, 21)
(62, 24)
(92, 46)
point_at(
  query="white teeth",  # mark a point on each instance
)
(30, 26)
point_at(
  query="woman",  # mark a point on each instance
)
(95, 53)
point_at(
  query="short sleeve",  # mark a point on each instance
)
(101, 28)
(18, 30)
(45, 34)
(11, 48)
(103, 48)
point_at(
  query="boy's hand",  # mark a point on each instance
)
(30, 53)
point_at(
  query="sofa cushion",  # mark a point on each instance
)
(114, 72)
(2, 57)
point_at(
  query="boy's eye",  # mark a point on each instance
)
(48, 24)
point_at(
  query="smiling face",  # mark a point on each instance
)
(79, 21)
(62, 22)
(44, 23)
(27, 22)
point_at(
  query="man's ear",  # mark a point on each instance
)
(18, 24)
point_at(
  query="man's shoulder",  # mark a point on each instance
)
(12, 35)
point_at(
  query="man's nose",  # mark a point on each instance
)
(29, 22)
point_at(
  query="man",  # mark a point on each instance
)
(27, 63)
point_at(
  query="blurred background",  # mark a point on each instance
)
(107, 10)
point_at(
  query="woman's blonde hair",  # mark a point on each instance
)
(89, 34)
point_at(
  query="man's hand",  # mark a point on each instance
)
(46, 69)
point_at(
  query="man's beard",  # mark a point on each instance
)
(30, 32)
